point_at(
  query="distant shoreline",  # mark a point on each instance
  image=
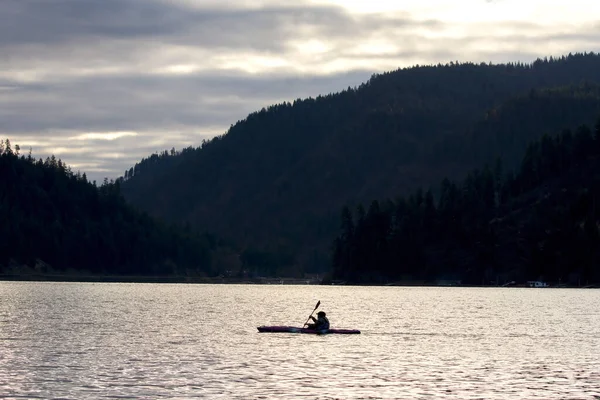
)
(152, 279)
(241, 281)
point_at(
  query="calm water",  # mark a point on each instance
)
(148, 341)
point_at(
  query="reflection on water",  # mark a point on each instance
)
(92, 340)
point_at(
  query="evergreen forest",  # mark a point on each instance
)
(56, 222)
(483, 174)
(492, 228)
(275, 181)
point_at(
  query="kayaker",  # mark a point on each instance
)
(321, 322)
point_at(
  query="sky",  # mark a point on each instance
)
(102, 84)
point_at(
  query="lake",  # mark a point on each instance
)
(180, 341)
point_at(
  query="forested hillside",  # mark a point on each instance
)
(505, 131)
(277, 178)
(543, 222)
(55, 221)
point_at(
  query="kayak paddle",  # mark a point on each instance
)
(317, 306)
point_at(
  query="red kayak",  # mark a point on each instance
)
(293, 329)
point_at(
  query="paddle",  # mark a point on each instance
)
(317, 306)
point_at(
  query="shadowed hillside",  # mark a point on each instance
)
(277, 178)
(542, 222)
(56, 222)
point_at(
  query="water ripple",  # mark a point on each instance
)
(144, 341)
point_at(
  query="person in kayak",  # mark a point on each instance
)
(321, 322)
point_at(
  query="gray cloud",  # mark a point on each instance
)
(174, 73)
(134, 102)
(48, 22)
(176, 111)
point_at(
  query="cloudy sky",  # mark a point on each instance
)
(104, 83)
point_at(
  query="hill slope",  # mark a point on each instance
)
(58, 221)
(277, 178)
(541, 223)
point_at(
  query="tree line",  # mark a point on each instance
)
(59, 221)
(541, 221)
(275, 180)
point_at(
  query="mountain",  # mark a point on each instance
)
(276, 179)
(507, 130)
(540, 223)
(57, 222)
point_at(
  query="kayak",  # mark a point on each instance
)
(293, 329)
